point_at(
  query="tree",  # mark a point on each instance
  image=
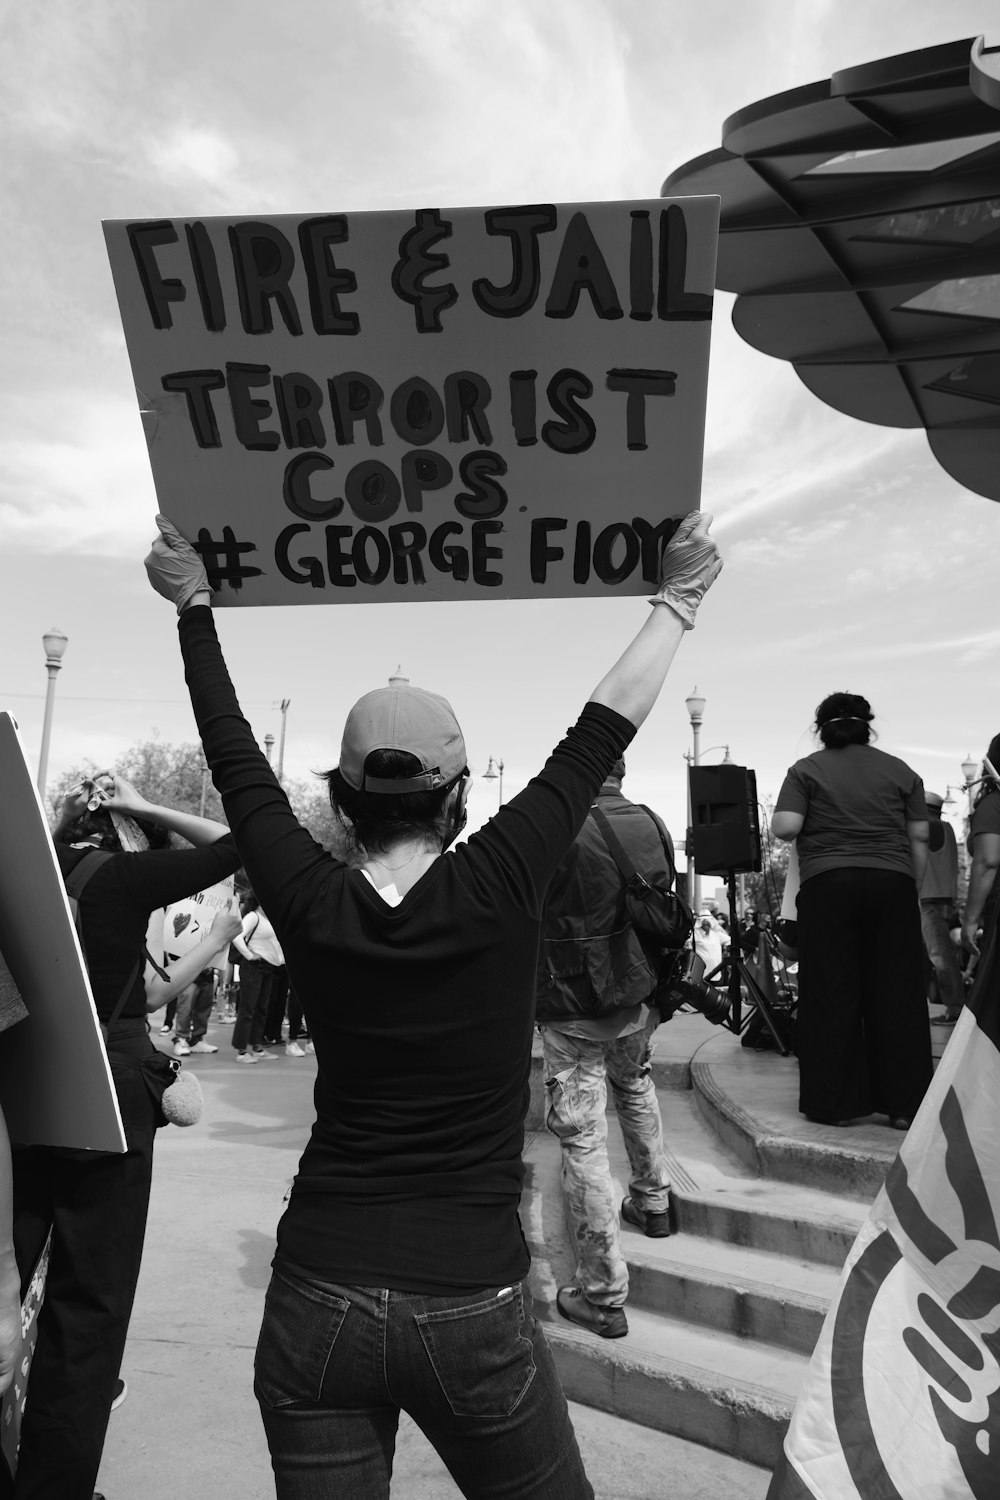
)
(763, 889)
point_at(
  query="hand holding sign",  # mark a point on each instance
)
(691, 564)
(175, 570)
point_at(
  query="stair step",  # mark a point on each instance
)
(780, 1301)
(711, 1388)
(749, 1097)
(721, 1282)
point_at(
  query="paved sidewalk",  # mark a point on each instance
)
(189, 1424)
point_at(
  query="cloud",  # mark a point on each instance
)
(86, 487)
(198, 153)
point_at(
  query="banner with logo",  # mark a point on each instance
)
(902, 1400)
(467, 403)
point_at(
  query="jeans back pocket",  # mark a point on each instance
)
(482, 1357)
(297, 1337)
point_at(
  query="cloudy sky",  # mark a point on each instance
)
(852, 560)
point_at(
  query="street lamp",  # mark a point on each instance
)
(281, 742)
(695, 706)
(494, 772)
(55, 644)
(268, 745)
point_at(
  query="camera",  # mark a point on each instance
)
(682, 982)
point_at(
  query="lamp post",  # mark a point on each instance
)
(695, 706)
(281, 742)
(55, 643)
(494, 772)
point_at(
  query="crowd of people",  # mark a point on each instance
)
(417, 972)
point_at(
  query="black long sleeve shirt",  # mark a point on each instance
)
(421, 1013)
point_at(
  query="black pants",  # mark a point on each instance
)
(97, 1208)
(863, 1035)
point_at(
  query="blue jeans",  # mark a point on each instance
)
(336, 1364)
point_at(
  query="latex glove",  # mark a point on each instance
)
(691, 564)
(175, 569)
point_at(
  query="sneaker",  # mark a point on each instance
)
(292, 1049)
(166, 1029)
(607, 1322)
(203, 1046)
(310, 1047)
(655, 1226)
(261, 1054)
(247, 1057)
(181, 1048)
(121, 1391)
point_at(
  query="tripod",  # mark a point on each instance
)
(740, 974)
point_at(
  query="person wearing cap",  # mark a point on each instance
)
(939, 911)
(399, 1276)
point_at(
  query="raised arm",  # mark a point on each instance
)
(114, 794)
(691, 563)
(277, 852)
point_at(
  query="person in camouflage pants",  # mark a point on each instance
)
(597, 1024)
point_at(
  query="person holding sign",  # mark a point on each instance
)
(96, 1203)
(399, 1278)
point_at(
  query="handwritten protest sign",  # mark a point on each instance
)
(439, 404)
(175, 930)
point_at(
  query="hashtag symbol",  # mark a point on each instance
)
(222, 559)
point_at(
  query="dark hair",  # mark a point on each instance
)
(617, 772)
(843, 719)
(375, 821)
(99, 823)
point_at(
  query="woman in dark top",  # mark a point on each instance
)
(860, 824)
(399, 1277)
(96, 1203)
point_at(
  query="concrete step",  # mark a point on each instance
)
(725, 1392)
(719, 1196)
(750, 1099)
(727, 1287)
(764, 1274)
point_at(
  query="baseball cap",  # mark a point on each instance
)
(934, 799)
(403, 718)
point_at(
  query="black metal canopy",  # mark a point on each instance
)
(861, 230)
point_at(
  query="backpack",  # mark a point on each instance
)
(658, 912)
(605, 925)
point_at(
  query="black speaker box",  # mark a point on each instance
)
(725, 832)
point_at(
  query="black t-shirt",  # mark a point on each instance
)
(116, 903)
(421, 1013)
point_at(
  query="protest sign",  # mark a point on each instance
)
(440, 404)
(55, 1081)
(176, 929)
